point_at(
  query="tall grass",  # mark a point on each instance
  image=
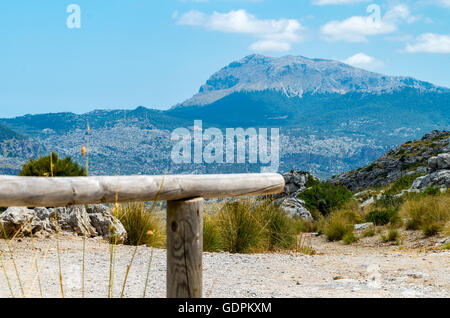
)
(250, 225)
(429, 214)
(143, 223)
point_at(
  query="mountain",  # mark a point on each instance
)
(332, 118)
(8, 134)
(409, 159)
(295, 76)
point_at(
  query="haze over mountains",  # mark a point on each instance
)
(332, 117)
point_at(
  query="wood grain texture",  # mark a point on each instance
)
(184, 248)
(40, 191)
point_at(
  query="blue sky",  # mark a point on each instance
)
(158, 53)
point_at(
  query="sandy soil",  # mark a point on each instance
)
(365, 269)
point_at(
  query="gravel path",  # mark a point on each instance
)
(337, 271)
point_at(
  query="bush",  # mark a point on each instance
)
(429, 214)
(142, 223)
(431, 229)
(240, 229)
(349, 238)
(393, 236)
(250, 225)
(325, 197)
(403, 183)
(279, 228)
(388, 201)
(61, 167)
(368, 232)
(339, 224)
(381, 217)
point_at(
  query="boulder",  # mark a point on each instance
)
(440, 162)
(295, 183)
(363, 226)
(106, 224)
(96, 220)
(296, 208)
(440, 179)
(20, 220)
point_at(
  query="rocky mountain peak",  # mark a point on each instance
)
(296, 76)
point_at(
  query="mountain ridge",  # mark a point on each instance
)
(295, 76)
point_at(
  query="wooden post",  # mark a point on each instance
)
(184, 248)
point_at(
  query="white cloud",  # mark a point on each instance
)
(273, 35)
(430, 43)
(358, 28)
(445, 3)
(326, 2)
(362, 60)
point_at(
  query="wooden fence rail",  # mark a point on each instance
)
(184, 195)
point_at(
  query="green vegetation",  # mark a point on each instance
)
(368, 232)
(381, 217)
(340, 223)
(52, 165)
(349, 238)
(325, 197)
(142, 223)
(403, 183)
(250, 225)
(429, 214)
(393, 236)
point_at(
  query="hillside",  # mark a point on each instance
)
(8, 134)
(409, 159)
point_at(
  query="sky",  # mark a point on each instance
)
(81, 55)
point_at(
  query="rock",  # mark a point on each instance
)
(440, 179)
(363, 226)
(296, 208)
(367, 202)
(78, 219)
(20, 220)
(295, 183)
(414, 157)
(443, 241)
(95, 221)
(440, 162)
(106, 224)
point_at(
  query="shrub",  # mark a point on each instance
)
(403, 183)
(381, 217)
(251, 225)
(339, 224)
(349, 238)
(393, 236)
(428, 214)
(431, 191)
(325, 197)
(61, 167)
(368, 232)
(388, 201)
(240, 229)
(431, 229)
(446, 246)
(142, 223)
(279, 228)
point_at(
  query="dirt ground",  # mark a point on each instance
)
(368, 268)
